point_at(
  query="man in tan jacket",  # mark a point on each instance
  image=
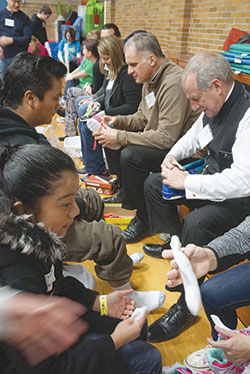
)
(163, 116)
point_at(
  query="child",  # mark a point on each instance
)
(37, 48)
(39, 185)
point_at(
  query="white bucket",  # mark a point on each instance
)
(72, 146)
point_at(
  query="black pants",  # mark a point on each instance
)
(206, 221)
(133, 165)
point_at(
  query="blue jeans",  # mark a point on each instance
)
(92, 158)
(224, 293)
(140, 357)
(137, 357)
(4, 63)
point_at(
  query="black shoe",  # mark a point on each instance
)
(116, 199)
(62, 138)
(61, 112)
(170, 325)
(135, 231)
(155, 250)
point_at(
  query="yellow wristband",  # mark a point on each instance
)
(103, 305)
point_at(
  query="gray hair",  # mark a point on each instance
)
(146, 43)
(208, 66)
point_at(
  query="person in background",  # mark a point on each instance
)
(164, 114)
(110, 29)
(121, 96)
(38, 23)
(15, 33)
(89, 88)
(74, 49)
(37, 48)
(94, 34)
(80, 76)
(132, 34)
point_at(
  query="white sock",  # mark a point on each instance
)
(150, 299)
(136, 257)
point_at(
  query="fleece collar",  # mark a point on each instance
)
(22, 236)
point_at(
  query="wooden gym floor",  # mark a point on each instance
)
(150, 274)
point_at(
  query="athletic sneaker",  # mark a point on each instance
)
(198, 360)
(220, 365)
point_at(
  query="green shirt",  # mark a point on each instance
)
(87, 66)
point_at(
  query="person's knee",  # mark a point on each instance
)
(208, 290)
(153, 185)
(197, 229)
(127, 156)
(86, 131)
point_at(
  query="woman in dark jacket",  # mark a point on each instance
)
(122, 95)
(37, 201)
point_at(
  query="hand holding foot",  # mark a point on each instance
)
(119, 305)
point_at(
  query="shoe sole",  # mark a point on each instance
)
(174, 336)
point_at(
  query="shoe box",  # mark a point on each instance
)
(103, 185)
(115, 214)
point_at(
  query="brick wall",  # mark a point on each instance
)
(183, 27)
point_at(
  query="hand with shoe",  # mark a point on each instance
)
(110, 120)
(203, 260)
(178, 318)
(236, 347)
(107, 136)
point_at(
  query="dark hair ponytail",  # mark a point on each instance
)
(1, 91)
(5, 154)
(6, 150)
(28, 172)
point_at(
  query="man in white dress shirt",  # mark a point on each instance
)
(219, 199)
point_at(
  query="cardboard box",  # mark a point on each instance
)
(102, 185)
(118, 216)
